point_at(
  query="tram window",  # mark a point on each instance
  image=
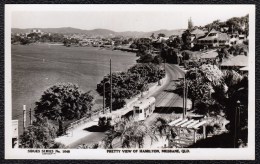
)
(138, 111)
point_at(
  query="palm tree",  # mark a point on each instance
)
(233, 90)
(161, 126)
(130, 133)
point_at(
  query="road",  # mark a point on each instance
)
(166, 104)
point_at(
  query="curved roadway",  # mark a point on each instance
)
(166, 100)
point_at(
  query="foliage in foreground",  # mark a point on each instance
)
(64, 101)
(129, 134)
(90, 146)
(213, 91)
(40, 134)
(160, 125)
(233, 94)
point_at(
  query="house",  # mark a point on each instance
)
(214, 39)
(238, 61)
(37, 31)
(196, 34)
(209, 57)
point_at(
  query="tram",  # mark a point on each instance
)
(143, 108)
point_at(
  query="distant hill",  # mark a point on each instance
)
(168, 32)
(100, 32)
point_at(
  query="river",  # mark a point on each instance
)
(35, 68)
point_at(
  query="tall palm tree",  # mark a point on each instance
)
(161, 127)
(233, 90)
(130, 133)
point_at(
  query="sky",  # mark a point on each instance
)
(121, 17)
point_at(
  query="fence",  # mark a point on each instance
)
(84, 120)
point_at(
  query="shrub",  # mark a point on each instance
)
(90, 146)
(104, 122)
(40, 135)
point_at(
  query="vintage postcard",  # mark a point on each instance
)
(152, 82)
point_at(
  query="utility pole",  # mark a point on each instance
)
(24, 117)
(30, 114)
(104, 96)
(237, 124)
(235, 129)
(184, 96)
(110, 88)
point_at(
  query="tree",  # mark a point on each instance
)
(25, 41)
(133, 45)
(160, 125)
(178, 42)
(200, 84)
(129, 133)
(64, 101)
(186, 38)
(215, 25)
(160, 35)
(128, 84)
(223, 54)
(152, 36)
(40, 134)
(104, 122)
(145, 58)
(172, 55)
(91, 146)
(157, 59)
(234, 89)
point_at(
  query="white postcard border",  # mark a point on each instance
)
(198, 153)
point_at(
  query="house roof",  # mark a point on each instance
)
(244, 68)
(209, 55)
(195, 55)
(198, 33)
(221, 36)
(213, 31)
(240, 60)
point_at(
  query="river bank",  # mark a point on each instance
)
(35, 68)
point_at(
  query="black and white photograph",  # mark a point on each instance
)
(130, 82)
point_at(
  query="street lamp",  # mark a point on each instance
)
(110, 86)
(237, 123)
(104, 96)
